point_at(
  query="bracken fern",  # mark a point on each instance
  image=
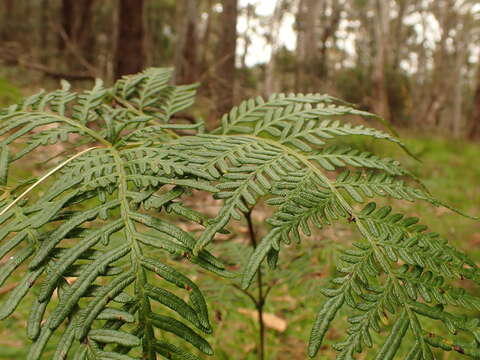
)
(83, 235)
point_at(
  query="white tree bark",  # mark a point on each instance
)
(271, 86)
(382, 36)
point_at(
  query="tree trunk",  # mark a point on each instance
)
(8, 9)
(186, 62)
(85, 35)
(300, 63)
(275, 23)
(419, 88)
(7, 21)
(307, 44)
(67, 13)
(457, 118)
(380, 93)
(440, 82)
(474, 128)
(206, 39)
(8, 5)
(398, 33)
(329, 28)
(225, 72)
(45, 28)
(250, 10)
(130, 52)
(77, 35)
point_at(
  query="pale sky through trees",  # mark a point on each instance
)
(260, 49)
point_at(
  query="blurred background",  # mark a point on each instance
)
(415, 62)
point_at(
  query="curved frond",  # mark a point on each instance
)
(90, 235)
(278, 150)
(97, 243)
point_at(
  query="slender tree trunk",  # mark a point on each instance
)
(474, 128)
(363, 43)
(329, 28)
(307, 44)
(8, 5)
(205, 65)
(438, 86)
(130, 52)
(419, 90)
(85, 35)
(275, 23)
(44, 23)
(206, 38)
(457, 123)
(301, 54)
(246, 36)
(312, 12)
(225, 71)
(186, 62)
(68, 19)
(380, 93)
(28, 10)
(77, 37)
(8, 9)
(398, 32)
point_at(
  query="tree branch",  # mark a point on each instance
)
(9, 56)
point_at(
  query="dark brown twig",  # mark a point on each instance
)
(259, 304)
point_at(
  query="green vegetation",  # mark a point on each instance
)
(104, 242)
(8, 93)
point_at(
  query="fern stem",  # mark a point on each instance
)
(260, 303)
(141, 277)
(247, 293)
(45, 176)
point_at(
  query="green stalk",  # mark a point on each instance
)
(260, 302)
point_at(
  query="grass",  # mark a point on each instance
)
(8, 93)
(450, 170)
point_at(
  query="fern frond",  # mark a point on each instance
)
(88, 102)
(409, 287)
(98, 248)
(149, 93)
(296, 120)
(90, 225)
(176, 99)
(334, 157)
(287, 135)
(370, 184)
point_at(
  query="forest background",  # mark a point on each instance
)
(414, 62)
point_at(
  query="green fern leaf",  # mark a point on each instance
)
(97, 250)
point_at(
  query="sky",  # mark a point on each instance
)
(259, 50)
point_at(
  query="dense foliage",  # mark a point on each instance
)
(89, 231)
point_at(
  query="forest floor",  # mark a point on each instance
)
(450, 169)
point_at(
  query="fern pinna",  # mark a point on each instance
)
(84, 235)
